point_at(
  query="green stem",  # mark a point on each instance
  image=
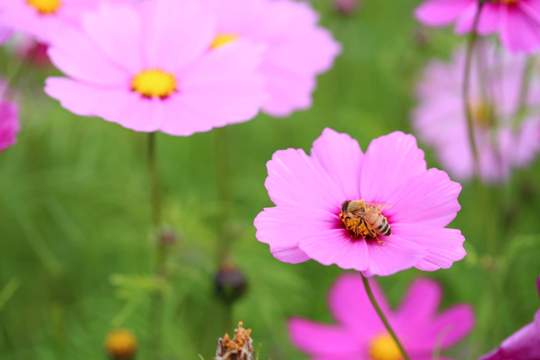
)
(383, 318)
(466, 89)
(157, 311)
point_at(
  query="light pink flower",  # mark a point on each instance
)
(360, 334)
(297, 49)
(43, 18)
(440, 119)
(516, 21)
(5, 34)
(9, 120)
(156, 72)
(310, 192)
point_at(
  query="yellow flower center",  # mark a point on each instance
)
(484, 115)
(154, 83)
(222, 40)
(45, 7)
(383, 347)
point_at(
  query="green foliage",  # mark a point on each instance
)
(77, 251)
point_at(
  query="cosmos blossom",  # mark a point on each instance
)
(9, 120)
(360, 335)
(506, 126)
(406, 206)
(157, 71)
(297, 49)
(516, 21)
(43, 18)
(522, 345)
(5, 34)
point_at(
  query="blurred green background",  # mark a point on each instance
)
(75, 242)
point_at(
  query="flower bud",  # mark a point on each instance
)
(167, 237)
(121, 345)
(346, 7)
(230, 283)
(238, 348)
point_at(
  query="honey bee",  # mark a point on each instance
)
(363, 220)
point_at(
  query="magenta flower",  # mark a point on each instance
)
(297, 49)
(503, 143)
(5, 34)
(516, 21)
(378, 212)
(9, 120)
(522, 345)
(360, 334)
(156, 72)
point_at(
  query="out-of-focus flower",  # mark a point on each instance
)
(5, 34)
(516, 21)
(378, 212)
(238, 348)
(297, 49)
(230, 283)
(522, 345)
(360, 334)
(9, 119)
(29, 49)
(497, 102)
(121, 345)
(156, 72)
(43, 18)
(346, 7)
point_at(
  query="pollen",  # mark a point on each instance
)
(222, 40)
(154, 83)
(45, 7)
(383, 347)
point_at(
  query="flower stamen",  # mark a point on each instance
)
(45, 7)
(154, 83)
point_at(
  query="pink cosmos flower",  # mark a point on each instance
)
(9, 120)
(440, 121)
(377, 212)
(43, 18)
(516, 21)
(360, 334)
(297, 49)
(5, 34)
(155, 72)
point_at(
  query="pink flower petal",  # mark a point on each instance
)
(77, 56)
(519, 32)
(420, 304)
(352, 308)
(389, 162)
(334, 246)
(297, 180)
(440, 12)
(429, 198)
(171, 41)
(394, 254)
(443, 246)
(341, 156)
(283, 228)
(122, 43)
(451, 326)
(320, 339)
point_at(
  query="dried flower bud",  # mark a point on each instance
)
(121, 345)
(238, 348)
(346, 7)
(230, 283)
(167, 237)
(421, 37)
